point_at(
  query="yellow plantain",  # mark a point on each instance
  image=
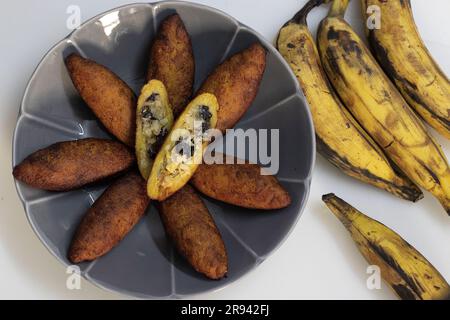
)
(404, 269)
(377, 105)
(340, 139)
(401, 52)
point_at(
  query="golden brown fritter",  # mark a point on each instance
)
(72, 164)
(188, 222)
(110, 218)
(111, 100)
(235, 83)
(241, 185)
(172, 62)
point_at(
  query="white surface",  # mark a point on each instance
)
(319, 260)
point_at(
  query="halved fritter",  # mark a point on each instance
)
(72, 164)
(154, 119)
(110, 218)
(110, 98)
(183, 148)
(190, 225)
(172, 62)
(241, 185)
(235, 83)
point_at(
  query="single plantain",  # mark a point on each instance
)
(403, 268)
(399, 49)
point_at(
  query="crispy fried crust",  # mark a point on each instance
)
(191, 227)
(72, 164)
(241, 185)
(110, 218)
(235, 83)
(172, 62)
(111, 100)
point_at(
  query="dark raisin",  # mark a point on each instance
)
(192, 148)
(152, 97)
(204, 113)
(146, 113)
(160, 138)
(205, 126)
(151, 151)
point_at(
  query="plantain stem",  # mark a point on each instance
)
(300, 17)
(338, 8)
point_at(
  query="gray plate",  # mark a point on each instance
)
(145, 264)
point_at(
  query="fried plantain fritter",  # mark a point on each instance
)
(189, 224)
(172, 62)
(71, 164)
(235, 83)
(110, 98)
(110, 218)
(183, 148)
(241, 185)
(154, 119)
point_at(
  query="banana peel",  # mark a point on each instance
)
(379, 107)
(340, 139)
(399, 49)
(405, 270)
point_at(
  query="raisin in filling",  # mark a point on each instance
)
(205, 116)
(154, 122)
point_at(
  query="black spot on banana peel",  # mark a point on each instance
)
(340, 139)
(72, 164)
(189, 224)
(399, 49)
(401, 187)
(402, 267)
(379, 108)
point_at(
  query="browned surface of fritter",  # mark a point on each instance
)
(72, 164)
(241, 185)
(188, 222)
(172, 62)
(111, 100)
(235, 84)
(110, 218)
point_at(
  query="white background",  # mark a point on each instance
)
(318, 261)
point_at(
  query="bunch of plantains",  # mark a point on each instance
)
(368, 111)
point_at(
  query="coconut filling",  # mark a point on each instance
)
(154, 123)
(176, 161)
